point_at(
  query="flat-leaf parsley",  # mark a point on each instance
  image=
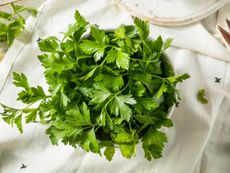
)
(106, 90)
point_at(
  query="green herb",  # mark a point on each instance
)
(12, 24)
(202, 96)
(107, 89)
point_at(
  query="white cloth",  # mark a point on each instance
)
(199, 142)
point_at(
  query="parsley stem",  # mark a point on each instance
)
(97, 128)
(101, 65)
(41, 101)
(23, 110)
(40, 122)
(141, 60)
(123, 88)
(124, 74)
(162, 78)
(4, 106)
(158, 77)
(142, 128)
(144, 43)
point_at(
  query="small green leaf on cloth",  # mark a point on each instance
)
(202, 96)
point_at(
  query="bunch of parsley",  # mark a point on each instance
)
(12, 24)
(107, 89)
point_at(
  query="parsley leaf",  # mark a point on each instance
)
(143, 28)
(90, 47)
(201, 96)
(161, 91)
(20, 80)
(29, 94)
(110, 81)
(122, 59)
(98, 34)
(109, 152)
(49, 44)
(80, 20)
(128, 150)
(13, 24)
(153, 143)
(4, 15)
(99, 94)
(119, 106)
(90, 143)
(82, 114)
